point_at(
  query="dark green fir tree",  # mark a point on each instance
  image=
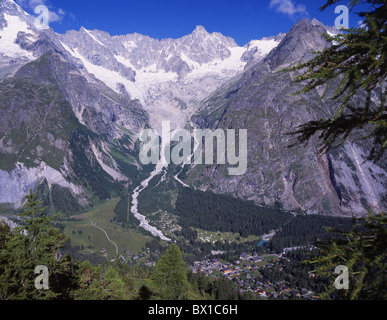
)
(27, 247)
(169, 279)
(353, 72)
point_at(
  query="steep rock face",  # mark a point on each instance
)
(170, 77)
(96, 106)
(96, 52)
(257, 50)
(299, 44)
(71, 106)
(13, 22)
(59, 125)
(336, 182)
(17, 183)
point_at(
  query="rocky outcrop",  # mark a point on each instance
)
(71, 107)
(17, 183)
(52, 116)
(337, 182)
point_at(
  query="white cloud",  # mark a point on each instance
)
(54, 15)
(288, 7)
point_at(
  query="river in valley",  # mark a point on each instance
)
(134, 208)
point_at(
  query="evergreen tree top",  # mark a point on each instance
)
(356, 64)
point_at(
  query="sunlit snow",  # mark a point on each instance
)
(8, 37)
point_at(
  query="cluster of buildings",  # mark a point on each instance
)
(245, 272)
(247, 264)
(210, 265)
(279, 290)
(166, 222)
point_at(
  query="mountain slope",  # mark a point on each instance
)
(335, 182)
(62, 150)
(72, 105)
(87, 91)
(170, 77)
(62, 131)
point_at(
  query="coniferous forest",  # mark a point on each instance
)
(209, 211)
(192, 244)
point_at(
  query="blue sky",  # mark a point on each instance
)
(242, 20)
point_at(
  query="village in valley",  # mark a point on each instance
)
(247, 273)
(264, 273)
(251, 272)
(255, 273)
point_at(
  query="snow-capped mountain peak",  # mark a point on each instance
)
(200, 30)
(9, 37)
(167, 76)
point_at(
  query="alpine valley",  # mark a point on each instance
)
(72, 107)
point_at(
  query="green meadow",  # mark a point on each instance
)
(82, 232)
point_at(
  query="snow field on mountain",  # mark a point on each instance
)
(8, 36)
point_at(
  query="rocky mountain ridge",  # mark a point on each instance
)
(339, 181)
(91, 94)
